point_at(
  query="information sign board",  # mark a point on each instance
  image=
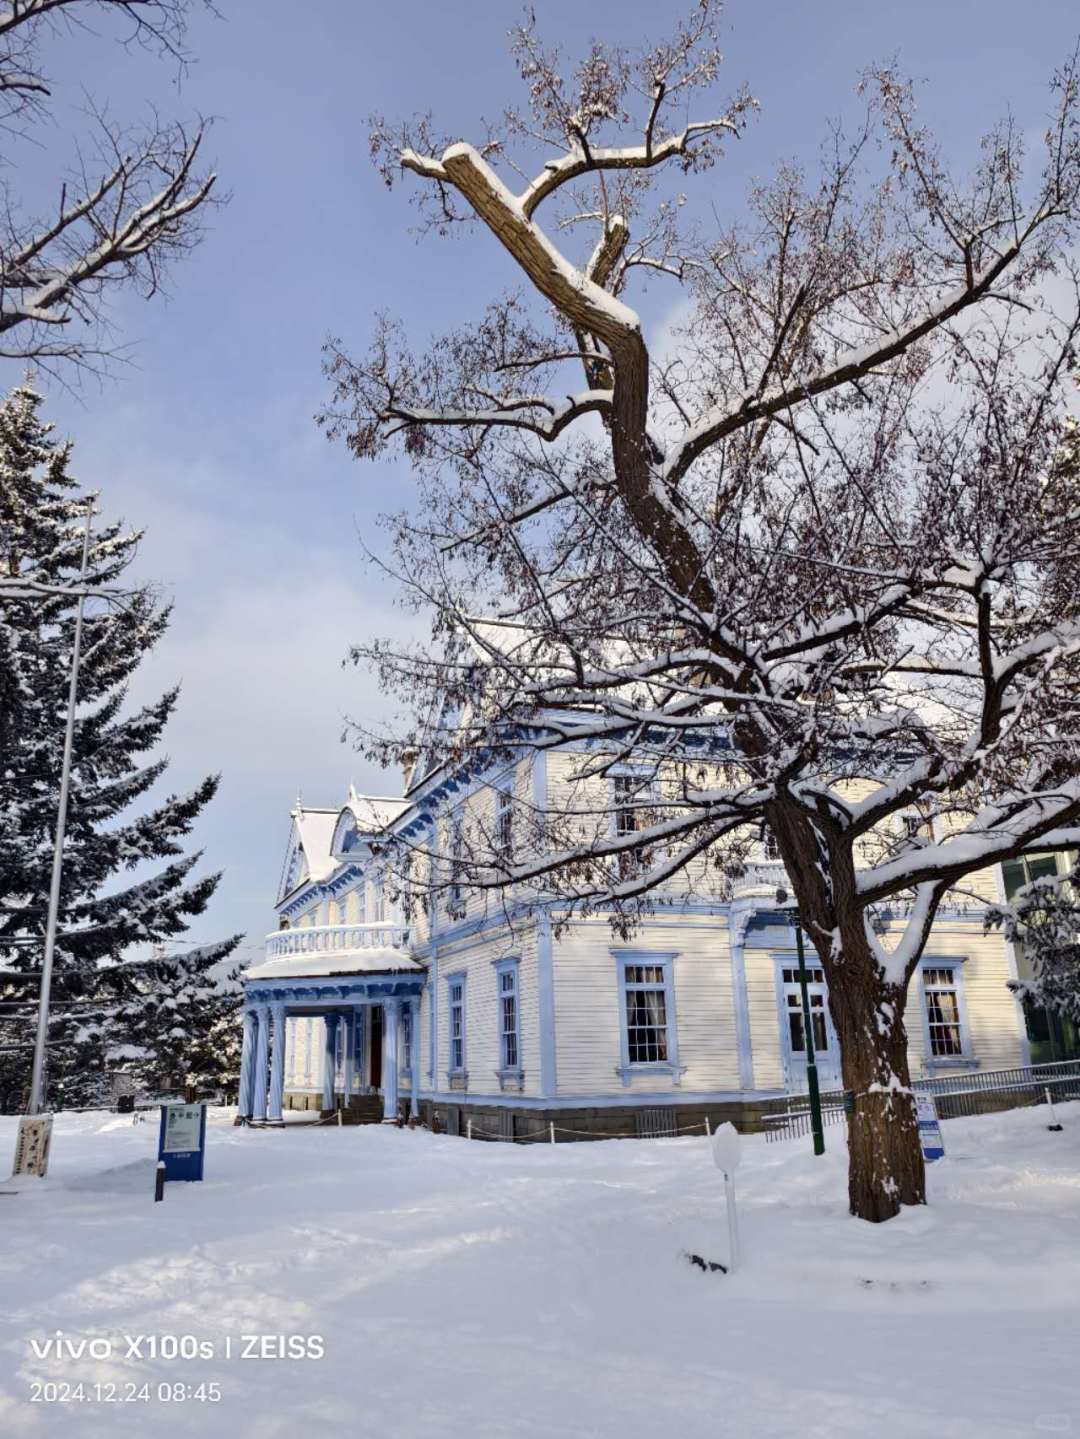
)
(182, 1140)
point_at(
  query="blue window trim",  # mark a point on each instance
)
(405, 1051)
(511, 965)
(433, 1033)
(665, 961)
(458, 976)
(966, 1059)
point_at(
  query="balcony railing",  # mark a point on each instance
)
(334, 938)
(764, 876)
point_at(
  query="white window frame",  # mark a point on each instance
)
(935, 964)
(453, 981)
(646, 785)
(508, 969)
(664, 960)
(455, 890)
(504, 822)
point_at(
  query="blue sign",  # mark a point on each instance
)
(933, 1146)
(182, 1140)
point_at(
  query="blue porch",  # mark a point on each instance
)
(346, 1005)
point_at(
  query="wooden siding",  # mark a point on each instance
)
(475, 958)
(765, 1040)
(587, 1019)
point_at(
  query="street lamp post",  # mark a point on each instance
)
(817, 1128)
(37, 1088)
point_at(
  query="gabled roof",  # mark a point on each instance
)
(363, 817)
(308, 857)
(374, 812)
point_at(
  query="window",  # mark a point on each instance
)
(793, 998)
(379, 901)
(1018, 872)
(626, 816)
(406, 1038)
(632, 798)
(431, 894)
(646, 1014)
(509, 1045)
(504, 824)
(456, 1011)
(361, 903)
(942, 1000)
(455, 903)
(769, 847)
(648, 1034)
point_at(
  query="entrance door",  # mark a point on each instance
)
(375, 1028)
(793, 1039)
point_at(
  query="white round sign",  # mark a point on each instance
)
(725, 1148)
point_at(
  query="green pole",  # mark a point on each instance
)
(816, 1126)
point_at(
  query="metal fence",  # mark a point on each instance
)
(991, 1090)
(972, 1092)
(794, 1119)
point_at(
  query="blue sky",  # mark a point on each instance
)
(208, 439)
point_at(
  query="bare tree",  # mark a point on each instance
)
(125, 210)
(811, 557)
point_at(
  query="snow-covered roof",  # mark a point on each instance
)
(316, 829)
(383, 960)
(374, 812)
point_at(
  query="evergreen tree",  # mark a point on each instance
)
(1044, 917)
(108, 903)
(180, 1027)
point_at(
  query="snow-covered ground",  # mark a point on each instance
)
(475, 1290)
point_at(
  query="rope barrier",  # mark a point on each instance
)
(473, 1131)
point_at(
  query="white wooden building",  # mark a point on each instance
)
(490, 1009)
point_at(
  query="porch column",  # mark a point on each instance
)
(362, 1065)
(329, 1060)
(247, 1064)
(277, 1064)
(391, 1019)
(349, 1018)
(262, 1056)
(414, 1030)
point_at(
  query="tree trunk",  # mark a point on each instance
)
(885, 1163)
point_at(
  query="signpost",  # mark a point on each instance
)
(933, 1146)
(725, 1151)
(182, 1140)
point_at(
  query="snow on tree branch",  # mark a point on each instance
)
(810, 569)
(128, 207)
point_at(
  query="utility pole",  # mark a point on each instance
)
(817, 1128)
(37, 1076)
